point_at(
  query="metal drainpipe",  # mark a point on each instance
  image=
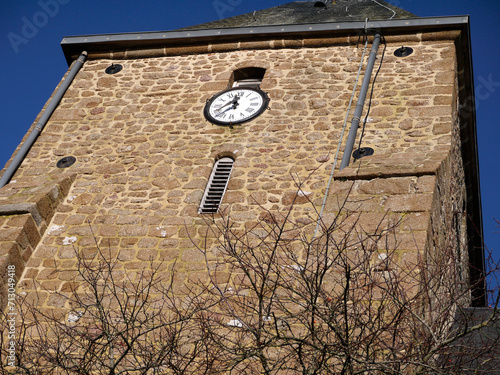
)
(23, 151)
(359, 105)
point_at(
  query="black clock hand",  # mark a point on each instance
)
(225, 105)
(233, 102)
(224, 111)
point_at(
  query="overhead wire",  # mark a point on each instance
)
(386, 7)
(345, 123)
(340, 139)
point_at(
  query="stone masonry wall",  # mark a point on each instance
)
(144, 151)
(25, 211)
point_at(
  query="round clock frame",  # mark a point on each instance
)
(236, 106)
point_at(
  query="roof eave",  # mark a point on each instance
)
(73, 45)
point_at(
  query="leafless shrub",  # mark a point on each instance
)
(280, 298)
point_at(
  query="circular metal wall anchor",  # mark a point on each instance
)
(114, 68)
(66, 162)
(403, 51)
(362, 152)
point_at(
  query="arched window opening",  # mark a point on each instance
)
(216, 186)
(248, 77)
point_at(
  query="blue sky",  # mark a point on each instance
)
(32, 62)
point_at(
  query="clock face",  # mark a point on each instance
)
(236, 105)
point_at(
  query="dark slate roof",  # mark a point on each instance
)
(300, 12)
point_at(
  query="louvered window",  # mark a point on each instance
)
(216, 187)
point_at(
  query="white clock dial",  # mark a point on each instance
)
(235, 106)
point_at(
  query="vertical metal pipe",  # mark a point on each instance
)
(23, 151)
(360, 103)
(344, 126)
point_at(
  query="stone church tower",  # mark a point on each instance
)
(151, 134)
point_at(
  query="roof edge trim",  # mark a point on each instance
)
(112, 41)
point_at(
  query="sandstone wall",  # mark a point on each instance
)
(144, 153)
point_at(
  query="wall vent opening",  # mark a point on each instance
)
(216, 186)
(248, 77)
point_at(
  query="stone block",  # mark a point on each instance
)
(110, 169)
(132, 231)
(186, 50)
(11, 234)
(148, 243)
(145, 53)
(108, 231)
(44, 205)
(214, 87)
(223, 47)
(46, 252)
(258, 198)
(170, 254)
(31, 231)
(441, 128)
(386, 186)
(419, 221)
(196, 184)
(192, 255)
(255, 44)
(426, 184)
(435, 111)
(68, 115)
(404, 38)
(296, 105)
(323, 42)
(450, 35)
(293, 198)
(409, 203)
(234, 197)
(21, 208)
(147, 255)
(126, 255)
(162, 231)
(292, 43)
